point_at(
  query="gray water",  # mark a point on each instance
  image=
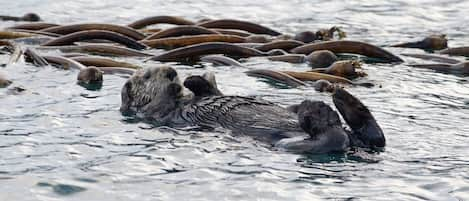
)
(59, 141)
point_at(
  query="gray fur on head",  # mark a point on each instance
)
(155, 85)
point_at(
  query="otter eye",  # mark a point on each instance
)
(171, 75)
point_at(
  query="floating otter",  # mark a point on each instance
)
(156, 94)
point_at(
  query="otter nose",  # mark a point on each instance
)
(171, 74)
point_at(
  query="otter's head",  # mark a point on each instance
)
(150, 91)
(359, 118)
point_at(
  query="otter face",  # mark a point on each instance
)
(150, 89)
(359, 118)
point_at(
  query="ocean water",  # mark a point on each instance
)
(59, 141)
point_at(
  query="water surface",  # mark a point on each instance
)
(60, 141)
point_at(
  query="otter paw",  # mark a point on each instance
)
(316, 117)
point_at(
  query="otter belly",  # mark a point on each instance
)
(244, 115)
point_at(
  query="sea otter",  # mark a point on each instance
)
(312, 126)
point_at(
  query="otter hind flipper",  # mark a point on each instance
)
(323, 126)
(359, 119)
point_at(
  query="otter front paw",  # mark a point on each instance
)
(315, 117)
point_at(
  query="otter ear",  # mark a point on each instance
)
(126, 99)
(210, 77)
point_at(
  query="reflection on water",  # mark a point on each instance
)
(60, 141)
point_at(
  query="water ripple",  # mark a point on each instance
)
(60, 141)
